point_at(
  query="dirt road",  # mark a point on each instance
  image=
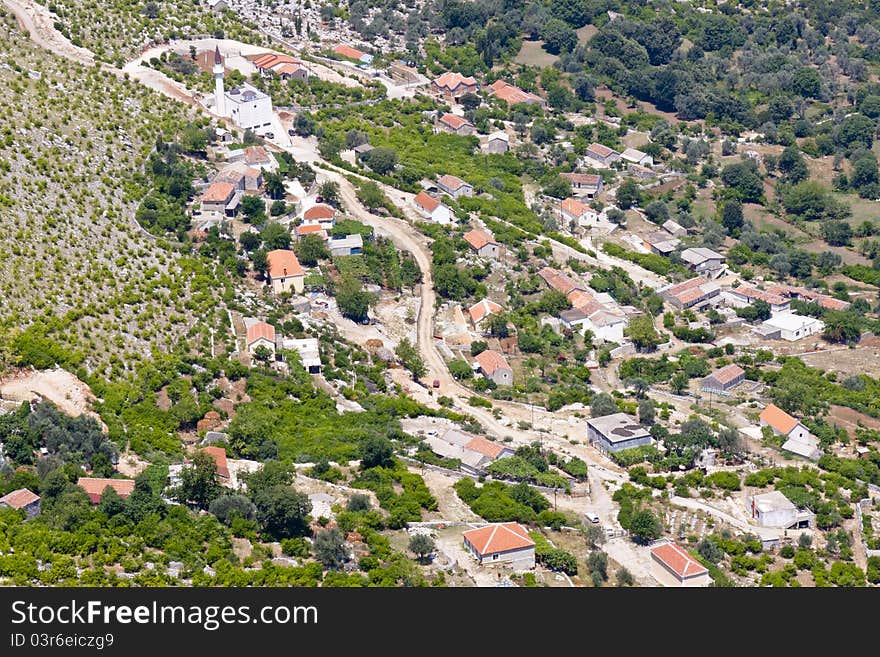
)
(38, 22)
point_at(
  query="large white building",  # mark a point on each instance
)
(247, 106)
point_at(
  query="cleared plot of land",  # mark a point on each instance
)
(58, 386)
(850, 419)
(586, 33)
(532, 53)
(847, 362)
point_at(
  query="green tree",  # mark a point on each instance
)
(410, 358)
(421, 545)
(679, 382)
(624, 577)
(260, 262)
(282, 511)
(744, 180)
(645, 527)
(329, 548)
(275, 236)
(198, 482)
(381, 160)
(371, 195)
(841, 326)
(646, 412)
(310, 249)
(274, 184)
(228, 507)
(602, 404)
(354, 302)
(558, 36)
(375, 451)
(642, 333)
(657, 212)
(329, 192)
(628, 195)
(254, 208)
(732, 216)
(460, 370)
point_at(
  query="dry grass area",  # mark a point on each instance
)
(586, 33)
(847, 362)
(532, 53)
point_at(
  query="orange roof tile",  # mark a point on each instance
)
(559, 281)
(319, 211)
(450, 182)
(482, 309)
(823, 300)
(256, 155)
(600, 149)
(219, 456)
(582, 178)
(727, 373)
(260, 330)
(18, 499)
(269, 60)
(309, 230)
(478, 238)
(677, 560)
(283, 262)
(453, 81)
(486, 447)
(348, 51)
(218, 192)
(491, 361)
(574, 207)
(426, 201)
(501, 537)
(756, 294)
(95, 487)
(287, 68)
(778, 419)
(454, 121)
(512, 94)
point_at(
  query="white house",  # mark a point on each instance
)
(703, 261)
(616, 432)
(308, 350)
(799, 440)
(774, 509)
(261, 334)
(604, 324)
(789, 326)
(433, 209)
(249, 108)
(501, 543)
(744, 295)
(636, 156)
(345, 246)
(672, 565)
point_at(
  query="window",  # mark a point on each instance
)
(494, 557)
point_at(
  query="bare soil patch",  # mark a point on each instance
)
(58, 386)
(532, 53)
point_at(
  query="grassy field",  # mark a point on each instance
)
(532, 53)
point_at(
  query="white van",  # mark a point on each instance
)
(592, 517)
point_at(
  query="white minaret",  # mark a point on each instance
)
(219, 92)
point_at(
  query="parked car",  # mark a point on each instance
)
(270, 135)
(291, 132)
(592, 517)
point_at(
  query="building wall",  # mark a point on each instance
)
(490, 251)
(791, 336)
(497, 146)
(503, 377)
(441, 215)
(261, 341)
(667, 577)
(287, 283)
(608, 333)
(800, 431)
(214, 207)
(780, 518)
(604, 445)
(523, 558)
(255, 114)
(711, 383)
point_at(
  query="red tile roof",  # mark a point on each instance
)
(822, 299)
(574, 207)
(486, 447)
(491, 361)
(677, 560)
(756, 294)
(260, 330)
(559, 281)
(778, 419)
(256, 155)
(270, 60)
(582, 178)
(283, 262)
(94, 487)
(287, 68)
(319, 211)
(453, 81)
(426, 201)
(18, 499)
(727, 373)
(348, 51)
(450, 182)
(502, 537)
(482, 309)
(218, 192)
(308, 230)
(454, 121)
(512, 94)
(478, 238)
(600, 149)
(219, 456)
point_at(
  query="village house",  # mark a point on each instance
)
(497, 143)
(494, 367)
(571, 210)
(353, 54)
(433, 209)
(674, 228)
(94, 487)
(661, 243)
(774, 509)
(483, 243)
(635, 156)
(362, 149)
(703, 261)
(692, 293)
(321, 214)
(744, 295)
(241, 176)
(454, 186)
(724, 379)
(512, 95)
(260, 334)
(672, 565)
(789, 326)
(285, 272)
(22, 500)
(825, 301)
(259, 158)
(221, 198)
(474, 453)
(308, 350)
(284, 66)
(605, 325)
(489, 448)
(346, 246)
(616, 432)
(481, 310)
(219, 456)
(452, 86)
(601, 155)
(560, 282)
(310, 229)
(217, 5)
(456, 125)
(505, 543)
(639, 172)
(587, 185)
(799, 440)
